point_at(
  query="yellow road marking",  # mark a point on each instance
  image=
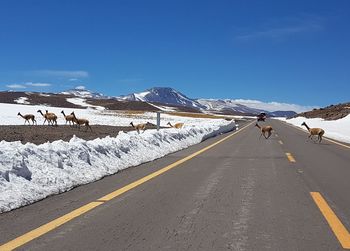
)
(324, 138)
(280, 141)
(290, 157)
(35, 233)
(19, 241)
(337, 227)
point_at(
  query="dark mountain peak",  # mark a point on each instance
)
(164, 95)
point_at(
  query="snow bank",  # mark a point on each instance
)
(335, 129)
(29, 172)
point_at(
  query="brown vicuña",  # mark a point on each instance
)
(314, 131)
(69, 118)
(52, 116)
(27, 117)
(139, 127)
(49, 117)
(177, 125)
(265, 129)
(81, 122)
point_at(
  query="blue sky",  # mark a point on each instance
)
(284, 51)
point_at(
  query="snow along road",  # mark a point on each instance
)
(241, 194)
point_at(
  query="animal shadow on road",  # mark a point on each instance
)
(319, 143)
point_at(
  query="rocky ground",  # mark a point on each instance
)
(332, 112)
(39, 134)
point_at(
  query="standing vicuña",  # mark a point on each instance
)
(68, 118)
(49, 117)
(264, 130)
(28, 117)
(52, 116)
(81, 122)
(314, 131)
(177, 125)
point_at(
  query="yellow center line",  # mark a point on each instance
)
(290, 157)
(31, 235)
(336, 225)
(35, 233)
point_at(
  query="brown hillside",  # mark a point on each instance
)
(332, 112)
(60, 100)
(113, 104)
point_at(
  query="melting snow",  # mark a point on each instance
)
(82, 102)
(22, 100)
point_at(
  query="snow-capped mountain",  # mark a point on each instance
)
(226, 105)
(246, 106)
(170, 96)
(82, 92)
(163, 95)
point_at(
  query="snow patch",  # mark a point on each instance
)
(141, 96)
(22, 100)
(82, 102)
(44, 95)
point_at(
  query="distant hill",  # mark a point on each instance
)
(331, 112)
(37, 98)
(67, 101)
(287, 114)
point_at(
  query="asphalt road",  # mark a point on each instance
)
(244, 193)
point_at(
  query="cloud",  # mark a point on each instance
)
(26, 85)
(80, 87)
(38, 84)
(284, 27)
(274, 106)
(64, 74)
(74, 80)
(16, 86)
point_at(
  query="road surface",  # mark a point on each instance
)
(243, 193)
